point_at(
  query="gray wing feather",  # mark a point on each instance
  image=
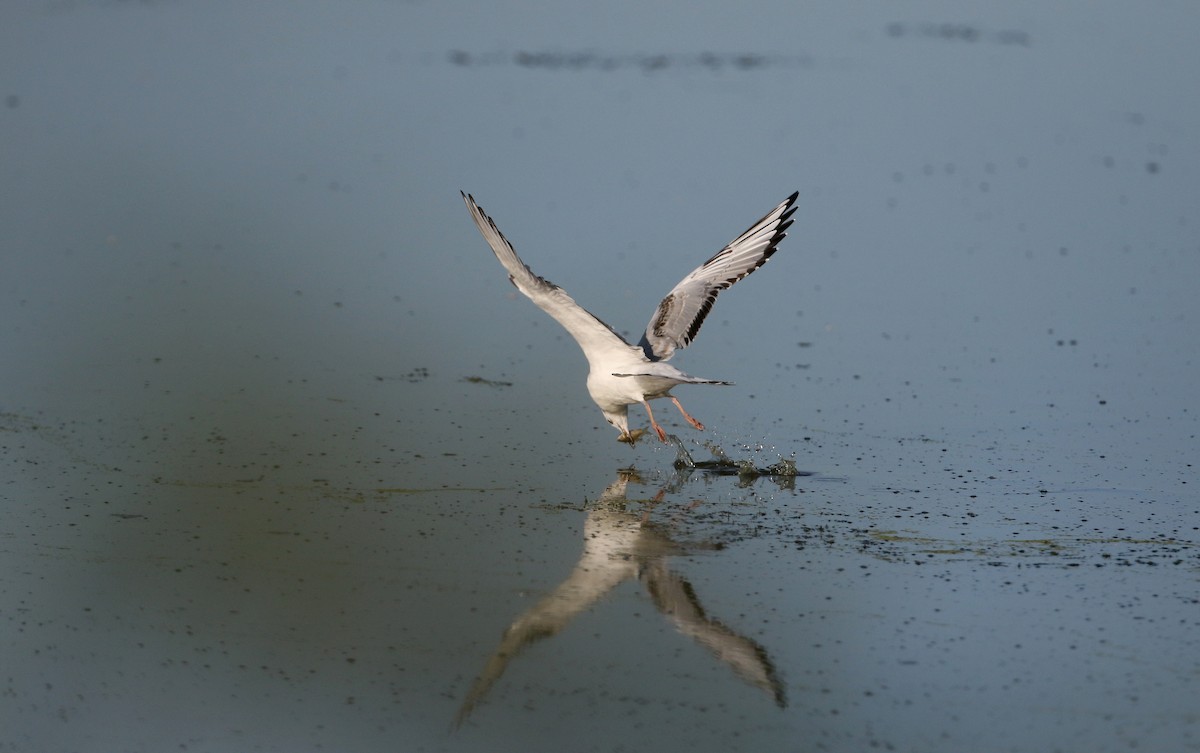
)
(594, 336)
(680, 314)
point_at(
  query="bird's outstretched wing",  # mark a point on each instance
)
(594, 336)
(679, 315)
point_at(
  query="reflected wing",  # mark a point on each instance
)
(609, 536)
(582, 589)
(595, 337)
(679, 316)
(675, 598)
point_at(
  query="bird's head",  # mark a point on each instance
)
(620, 420)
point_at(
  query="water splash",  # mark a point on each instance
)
(722, 465)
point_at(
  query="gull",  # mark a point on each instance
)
(621, 374)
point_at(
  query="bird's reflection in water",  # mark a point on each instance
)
(619, 545)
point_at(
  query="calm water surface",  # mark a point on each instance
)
(288, 465)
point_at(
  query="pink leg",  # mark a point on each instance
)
(662, 435)
(690, 420)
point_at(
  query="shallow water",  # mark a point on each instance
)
(288, 465)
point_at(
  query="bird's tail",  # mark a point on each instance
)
(680, 378)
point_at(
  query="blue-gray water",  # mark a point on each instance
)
(289, 465)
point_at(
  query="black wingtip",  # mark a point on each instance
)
(785, 219)
(790, 203)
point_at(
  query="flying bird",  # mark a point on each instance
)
(622, 374)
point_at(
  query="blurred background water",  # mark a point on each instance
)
(289, 465)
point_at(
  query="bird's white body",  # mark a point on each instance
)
(621, 374)
(647, 380)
